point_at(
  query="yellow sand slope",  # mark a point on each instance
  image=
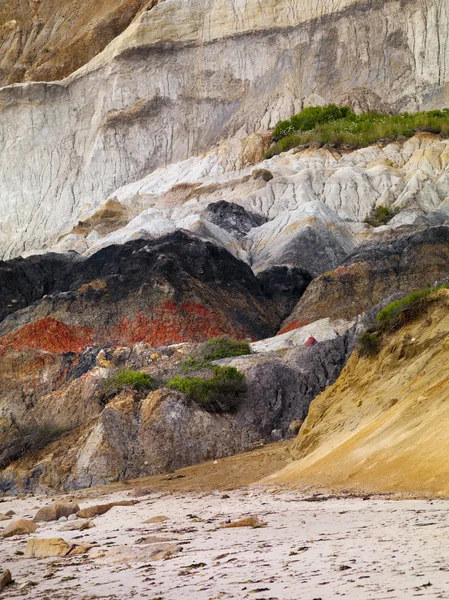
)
(384, 425)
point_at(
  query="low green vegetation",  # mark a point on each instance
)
(368, 344)
(194, 364)
(381, 216)
(340, 126)
(127, 379)
(221, 347)
(398, 313)
(219, 393)
(309, 118)
(262, 174)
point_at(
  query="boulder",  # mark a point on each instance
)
(157, 519)
(55, 511)
(50, 547)
(20, 527)
(78, 525)
(101, 509)
(5, 579)
(250, 521)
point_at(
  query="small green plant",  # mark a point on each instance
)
(220, 393)
(398, 313)
(125, 378)
(368, 344)
(221, 347)
(381, 216)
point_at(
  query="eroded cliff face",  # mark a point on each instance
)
(382, 427)
(144, 174)
(186, 75)
(46, 40)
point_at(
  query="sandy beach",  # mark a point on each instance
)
(311, 548)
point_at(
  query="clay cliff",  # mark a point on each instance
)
(146, 218)
(178, 81)
(46, 40)
(382, 426)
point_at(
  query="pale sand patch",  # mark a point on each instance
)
(374, 549)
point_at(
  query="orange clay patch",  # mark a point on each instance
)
(189, 322)
(50, 335)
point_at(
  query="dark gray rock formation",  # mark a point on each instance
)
(232, 217)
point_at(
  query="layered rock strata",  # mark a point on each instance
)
(178, 81)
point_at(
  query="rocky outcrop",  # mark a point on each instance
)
(372, 273)
(134, 435)
(383, 426)
(186, 91)
(175, 289)
(283, 285)
(232, 217)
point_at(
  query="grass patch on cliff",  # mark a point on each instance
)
(340, 126)
(29, 439)
(124, 379)
(369, 344)
(194, 364)
(221, 347)
(381, 215)
(403, 311)
(220, 393)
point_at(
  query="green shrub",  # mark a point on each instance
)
(220, 393)
(29, 439)
(381, 216)
(222, 347)
(368, 344)
(398, 313)
(125, 378)
(355, 131)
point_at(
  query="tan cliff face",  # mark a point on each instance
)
(46, 40)
(383, 426)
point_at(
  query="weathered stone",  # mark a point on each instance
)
(56, 511)
(78, 525)
(209, 285)
(101, 509)
(374, 272)
(251, 521)
(5, 579)
(273, 81)
(157, 519)
(48, 547)
(20, 527)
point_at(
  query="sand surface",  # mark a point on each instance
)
(340, 547)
